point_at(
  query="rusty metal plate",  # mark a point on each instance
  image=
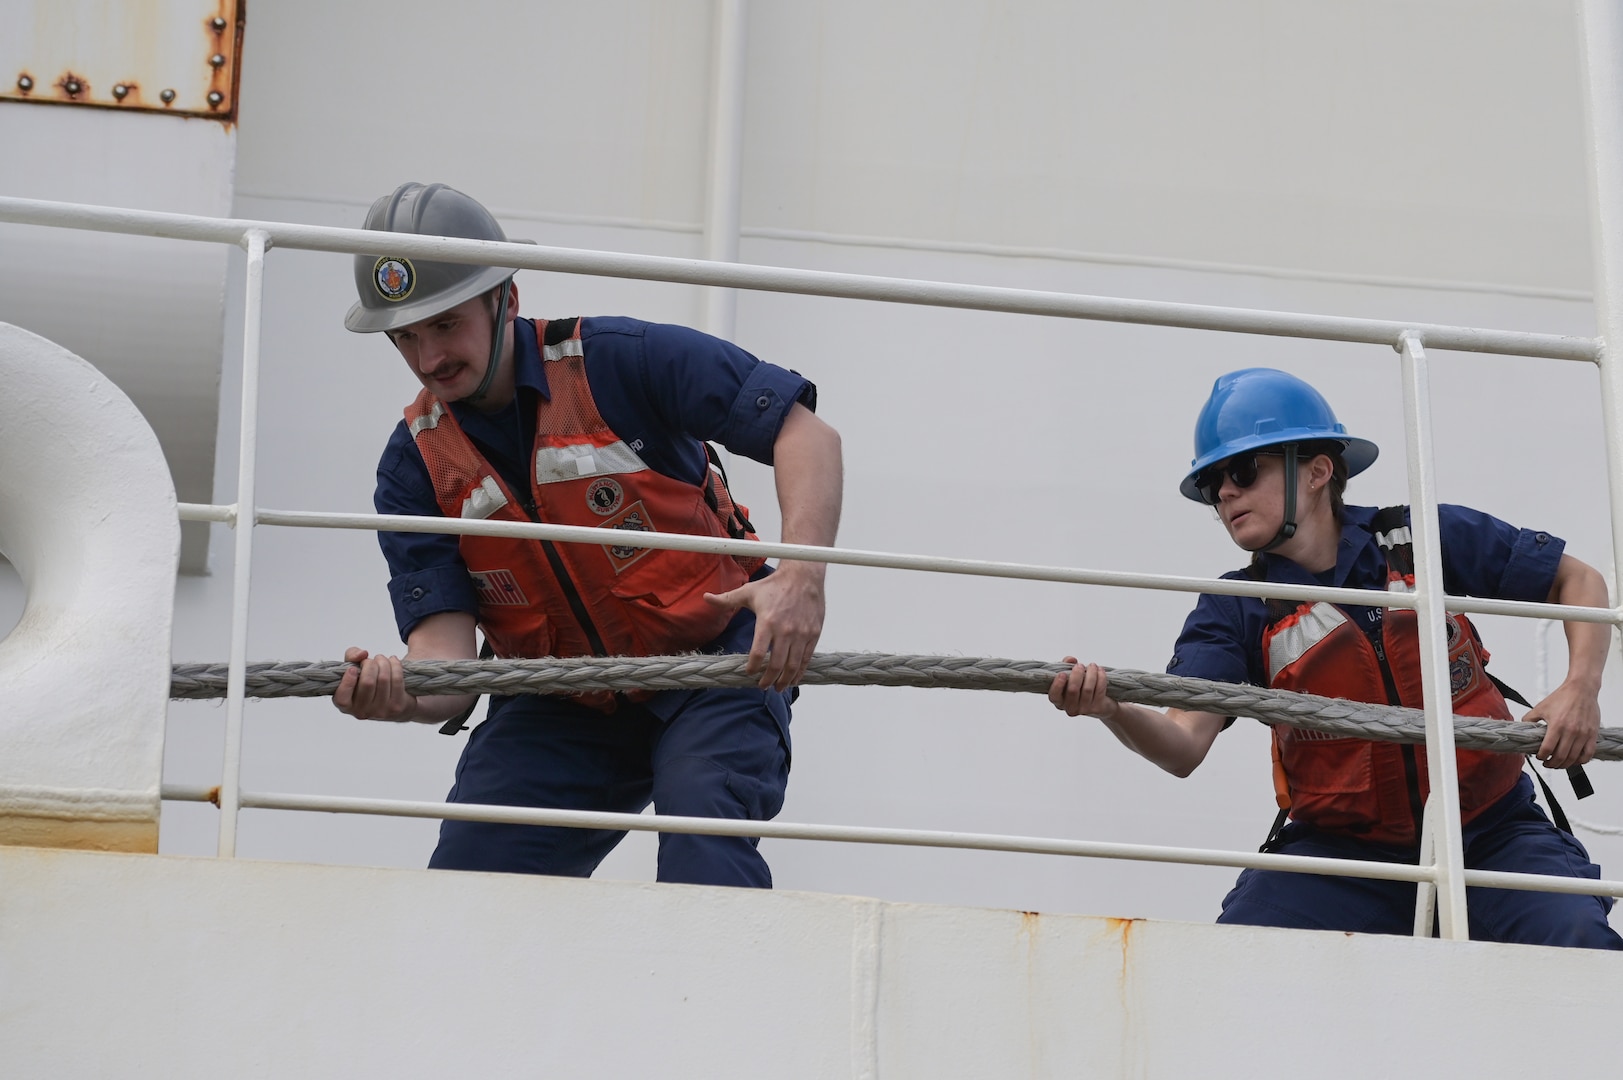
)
(178, 56)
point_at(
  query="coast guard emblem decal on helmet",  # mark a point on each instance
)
(394, 278)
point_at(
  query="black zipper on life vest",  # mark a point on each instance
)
(1411, 764)
(1391, 683)
(571, 594)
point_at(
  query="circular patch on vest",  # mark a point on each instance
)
(395, 278)
(604, 496)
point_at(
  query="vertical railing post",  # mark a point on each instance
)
(1443, 808)
(724, 185)
(257, 242)
(1601, 28)
(1425, 904)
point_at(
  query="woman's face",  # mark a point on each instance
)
(1248, 492)
(1253, 514)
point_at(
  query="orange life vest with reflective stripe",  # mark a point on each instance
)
(1376, 790)
(570, 599)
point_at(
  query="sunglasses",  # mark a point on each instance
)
(1242, 469)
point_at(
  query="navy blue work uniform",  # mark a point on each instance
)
(664, 390)
(1482, 556)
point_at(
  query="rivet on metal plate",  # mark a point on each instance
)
(24, 83)
(218, 23)
(217, 60)
(167, 97)
(215, 98)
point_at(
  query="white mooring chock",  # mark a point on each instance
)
(88, 518)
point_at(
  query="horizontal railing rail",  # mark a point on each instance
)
(865, 834)
(940, 564)
(804, 282)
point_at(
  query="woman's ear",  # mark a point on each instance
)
(1319, 471)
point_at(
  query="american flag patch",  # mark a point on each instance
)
(498, 588)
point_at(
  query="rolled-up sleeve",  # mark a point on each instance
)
(1484, 556)
(712, 390)
(1211, 645)
(759, 410)
(418, 594)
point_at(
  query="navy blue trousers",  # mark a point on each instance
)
(1512, 835)
(722, 753)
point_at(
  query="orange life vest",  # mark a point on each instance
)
(1376, 790)
(571, 599)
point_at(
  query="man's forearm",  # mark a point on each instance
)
(1587, 645)
(444, 636)
(1579, 585)
(438, 708)
(810, 476)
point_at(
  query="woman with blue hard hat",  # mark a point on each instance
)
(1274, 462)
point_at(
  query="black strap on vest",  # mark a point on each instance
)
(1581, 787)
(1270, 845)
(460, 721)
(1557, 815)
(1399, 557)
(738, 526)
(559, 331)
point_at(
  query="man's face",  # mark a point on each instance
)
(448, 352)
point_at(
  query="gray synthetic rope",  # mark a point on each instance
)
(579, 674)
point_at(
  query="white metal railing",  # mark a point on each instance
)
(1445, 877)
(1442, 876)
(1446, 874)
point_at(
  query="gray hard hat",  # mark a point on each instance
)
(396, 291)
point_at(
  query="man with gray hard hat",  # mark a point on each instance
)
(600, 422)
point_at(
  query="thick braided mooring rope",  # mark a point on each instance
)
(554, 676)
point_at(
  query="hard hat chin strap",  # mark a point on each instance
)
(496, 331)
(1287, 528)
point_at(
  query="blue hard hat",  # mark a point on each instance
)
(1260, 407)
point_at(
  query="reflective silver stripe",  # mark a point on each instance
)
(423, 423)
(554, 464)
(1290, 643)
(562, 349)
(1399, 535)
(484, 500)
